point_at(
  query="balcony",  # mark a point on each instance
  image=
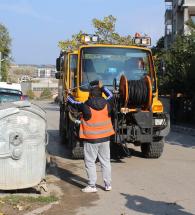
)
(188, 3)
(168, 15)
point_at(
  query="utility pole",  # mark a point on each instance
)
(0, 67)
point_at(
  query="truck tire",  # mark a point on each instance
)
(63, 138)
(78, 152)
(62, 128)
(74, 144)
(152, 149)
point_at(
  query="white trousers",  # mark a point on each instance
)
(91, 152)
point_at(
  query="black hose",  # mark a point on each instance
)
(138, 91)
(124, 144)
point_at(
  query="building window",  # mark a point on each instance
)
(193, 18)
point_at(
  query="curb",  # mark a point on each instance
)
(182, 129)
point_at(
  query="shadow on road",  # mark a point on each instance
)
(119, 152)
(148, 206)
(137, 154)
(26, 191)
(180, 139)
(55, 148)
(66, 174)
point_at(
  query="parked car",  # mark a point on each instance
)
(10, 95)
(9, 85)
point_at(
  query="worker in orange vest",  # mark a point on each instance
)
(95, 130)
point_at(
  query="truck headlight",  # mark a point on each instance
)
(95, 38)
(146, 41)
(137, 41)
(158, 121)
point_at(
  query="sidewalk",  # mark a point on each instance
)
(186, 129)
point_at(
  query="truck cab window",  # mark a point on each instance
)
(73, 70)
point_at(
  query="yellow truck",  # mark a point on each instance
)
(128, 71)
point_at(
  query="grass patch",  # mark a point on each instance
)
(15, 199)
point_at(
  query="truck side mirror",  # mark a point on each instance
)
(58, 64)
(57, 75)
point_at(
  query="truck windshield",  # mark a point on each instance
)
(107, 63)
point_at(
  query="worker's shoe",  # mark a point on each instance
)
(108, 187)
(89, 189)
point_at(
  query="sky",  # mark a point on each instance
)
(36, 26)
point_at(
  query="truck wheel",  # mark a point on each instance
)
(70, 136)
(63, 122)
(78, 152)
(152, 149)
(75, 145)
(63, 138)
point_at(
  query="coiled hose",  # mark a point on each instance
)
(136, 93)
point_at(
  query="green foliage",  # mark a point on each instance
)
(159, 46)
(105, 29)
(30, 94)
(5, 43)
(4, 69)
(179, 64)
(74, 43)
(46, 94)
(14, 199)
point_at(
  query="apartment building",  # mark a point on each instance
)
(177, 13)
(37, 85)
(44, 72)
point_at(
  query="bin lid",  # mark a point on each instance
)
(8, 111)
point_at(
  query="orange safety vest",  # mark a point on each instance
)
(99, 126)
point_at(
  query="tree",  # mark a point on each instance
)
(46, 94)
(105, 29)
(159, 46)
(72, 43)
(5, 43)
(30, 94)
(179, 63)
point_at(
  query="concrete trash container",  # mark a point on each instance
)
(23, 139)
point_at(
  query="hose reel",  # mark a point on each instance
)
(136, 93)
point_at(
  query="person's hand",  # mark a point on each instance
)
(100, 84)
(69, 91)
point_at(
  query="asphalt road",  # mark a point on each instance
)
(164, 186)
